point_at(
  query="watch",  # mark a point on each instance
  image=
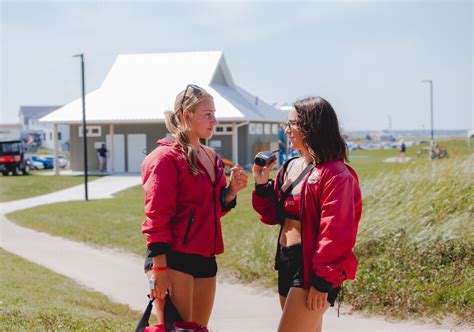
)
(151, 283)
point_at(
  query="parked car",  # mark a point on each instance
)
(12, 158)
(47, 164)
(63, 162)
(35, 164)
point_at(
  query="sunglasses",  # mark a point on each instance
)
(197, 91)
(290, 124)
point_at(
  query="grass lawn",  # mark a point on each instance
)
(416, 233)
(18, 187)
(32, 298)
(369, 164)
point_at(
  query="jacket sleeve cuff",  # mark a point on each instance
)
(265, 190)
(320, 284)
(157, 248)
(224, 205)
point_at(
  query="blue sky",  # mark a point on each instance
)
(366, 58)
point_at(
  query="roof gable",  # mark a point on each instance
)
(141, 87)
(36, 112)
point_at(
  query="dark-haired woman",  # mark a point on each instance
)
(185, 197)
(317, 202)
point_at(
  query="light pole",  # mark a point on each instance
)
(84, 128)
(431, 107)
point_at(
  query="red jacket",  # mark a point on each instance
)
(331, 198)
(182, 210)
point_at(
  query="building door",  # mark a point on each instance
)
(117, 154)
(136, 149)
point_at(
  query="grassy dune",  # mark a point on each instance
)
(416, 242)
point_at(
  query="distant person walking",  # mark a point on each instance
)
(403, 149)
(317, 202)
(102, 155)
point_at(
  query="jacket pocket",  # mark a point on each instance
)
(188, 228)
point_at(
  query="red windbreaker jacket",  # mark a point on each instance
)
(182, 210)
(331, 199)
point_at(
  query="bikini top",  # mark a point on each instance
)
(292, 206)
(289, 205)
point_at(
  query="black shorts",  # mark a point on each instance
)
(195, 265)
(291, 272)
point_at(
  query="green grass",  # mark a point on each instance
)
(114, 223)
(370, 163)
(415, 242)
(19, 187)
(32, 298)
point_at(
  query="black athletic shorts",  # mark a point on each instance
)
(195, 265)
(291, 271)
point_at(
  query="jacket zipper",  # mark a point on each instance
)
(216, 181)
(188, 228)
(303, 192)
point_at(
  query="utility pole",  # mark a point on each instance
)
(84, 126)
(431, 109)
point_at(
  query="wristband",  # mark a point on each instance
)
(159, 268)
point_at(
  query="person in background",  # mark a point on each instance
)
(403, 150)
(102, 155)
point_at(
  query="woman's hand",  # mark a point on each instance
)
(238, 180)
(162, 284)
(261, 174)
(160, 277)
(316, 300)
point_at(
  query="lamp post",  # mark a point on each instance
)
(431, 108)
(84, 128)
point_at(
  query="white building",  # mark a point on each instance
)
(127, 111)
(43, 132)
(10, 132)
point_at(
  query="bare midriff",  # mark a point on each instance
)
(291, 233)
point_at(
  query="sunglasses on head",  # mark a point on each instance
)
(197, 91)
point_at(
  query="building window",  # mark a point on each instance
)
(223, 130)
(252, 128)
(59, 136)
(259, 128)
(267, 128)
(50, 136)
(92, 131)
(275, 129)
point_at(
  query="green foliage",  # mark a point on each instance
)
(403, 278)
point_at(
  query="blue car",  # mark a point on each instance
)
(48, 164)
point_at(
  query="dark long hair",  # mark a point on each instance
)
(317, 121)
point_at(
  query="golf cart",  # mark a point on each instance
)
(12, 158)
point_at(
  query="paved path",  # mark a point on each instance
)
(119, 275)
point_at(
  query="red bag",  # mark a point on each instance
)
(176, 326)
(173, 320)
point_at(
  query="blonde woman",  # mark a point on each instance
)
(185, 196)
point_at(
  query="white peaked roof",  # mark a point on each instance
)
(141, 87)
